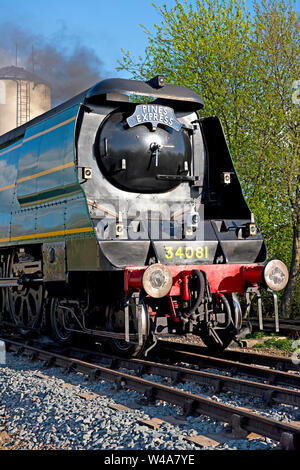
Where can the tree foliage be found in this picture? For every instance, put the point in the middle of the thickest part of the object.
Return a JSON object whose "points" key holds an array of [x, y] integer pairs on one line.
{"points": [[244, 66]]}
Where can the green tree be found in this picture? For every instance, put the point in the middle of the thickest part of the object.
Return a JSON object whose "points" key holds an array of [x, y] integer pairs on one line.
{"points": [[275, 49], [244, 67]]}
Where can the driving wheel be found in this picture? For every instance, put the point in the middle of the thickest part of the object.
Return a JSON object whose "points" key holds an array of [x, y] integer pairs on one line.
{"points": [[24, 301]]}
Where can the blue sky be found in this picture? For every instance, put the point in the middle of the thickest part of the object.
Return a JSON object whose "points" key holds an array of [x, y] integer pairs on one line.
{"points": [[102, 25]]}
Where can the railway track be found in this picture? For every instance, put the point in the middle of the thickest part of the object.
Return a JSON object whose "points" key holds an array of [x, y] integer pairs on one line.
{"points": [[286, 327], [270, 394], [101, 366], [175, 352], [246, 357]]}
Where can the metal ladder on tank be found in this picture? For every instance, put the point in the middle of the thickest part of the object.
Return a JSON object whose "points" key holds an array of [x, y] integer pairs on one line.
{"points": [[23, 102]]}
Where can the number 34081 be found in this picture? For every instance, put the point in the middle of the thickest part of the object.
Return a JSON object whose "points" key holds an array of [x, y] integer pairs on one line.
{"points": [[187, 252]]}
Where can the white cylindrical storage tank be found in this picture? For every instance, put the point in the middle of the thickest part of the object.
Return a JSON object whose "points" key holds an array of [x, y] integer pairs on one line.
{"points": [[23, 96]]}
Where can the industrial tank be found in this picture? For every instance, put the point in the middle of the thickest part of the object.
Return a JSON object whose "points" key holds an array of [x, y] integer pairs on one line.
{"points": [[23, 96]]}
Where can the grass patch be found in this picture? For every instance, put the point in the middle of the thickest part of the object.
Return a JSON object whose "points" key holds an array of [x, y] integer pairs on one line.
{"points": [[284, 344], [258, 335]]}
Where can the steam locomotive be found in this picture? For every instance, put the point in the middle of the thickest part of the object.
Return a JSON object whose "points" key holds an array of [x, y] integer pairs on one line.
{"points": [[122, 218]]}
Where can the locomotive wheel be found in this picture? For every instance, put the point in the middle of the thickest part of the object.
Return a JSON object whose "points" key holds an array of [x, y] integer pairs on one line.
{"points": [[59, 322], [24, 302], [231, 304], [115, 322]]}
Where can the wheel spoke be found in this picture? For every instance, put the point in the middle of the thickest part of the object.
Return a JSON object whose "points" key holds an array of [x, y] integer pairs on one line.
{"points": [[57, 322], [25, 304]]}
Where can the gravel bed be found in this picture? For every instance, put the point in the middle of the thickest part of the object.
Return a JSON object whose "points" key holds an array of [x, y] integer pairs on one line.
{"points": [[45, 413], [280, 412]]}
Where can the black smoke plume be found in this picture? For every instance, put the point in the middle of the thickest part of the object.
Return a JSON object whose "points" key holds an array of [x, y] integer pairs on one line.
{"points": [[67, 69]]}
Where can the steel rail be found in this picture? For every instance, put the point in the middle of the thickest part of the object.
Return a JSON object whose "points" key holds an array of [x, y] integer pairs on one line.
{"points": [[269, 393], [242, 418], [271, 375], [220, 383], [278, 362]]}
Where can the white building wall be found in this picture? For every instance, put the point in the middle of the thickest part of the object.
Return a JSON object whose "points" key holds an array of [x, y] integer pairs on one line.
{"points": [[40, 102]]}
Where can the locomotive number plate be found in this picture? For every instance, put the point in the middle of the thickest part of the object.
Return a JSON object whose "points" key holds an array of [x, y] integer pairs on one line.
{"points": [[187, 252]]}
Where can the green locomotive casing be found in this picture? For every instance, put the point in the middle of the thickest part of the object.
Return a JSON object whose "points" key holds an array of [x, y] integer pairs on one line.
{"points": [[39, 172], [41, 198]]}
